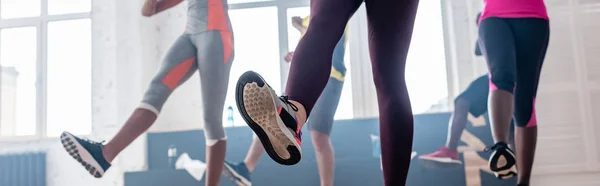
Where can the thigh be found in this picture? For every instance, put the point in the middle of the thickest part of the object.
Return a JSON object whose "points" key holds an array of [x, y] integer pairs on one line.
{"points": [[215, 56], [332, 10], [531, 37], [477, 95], [179, 64], [391, 25], [497, 41]]}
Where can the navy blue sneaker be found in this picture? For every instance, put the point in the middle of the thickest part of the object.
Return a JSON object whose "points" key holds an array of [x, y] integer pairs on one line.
{"points": [[86, 152], [238, 172], [502, 161]]}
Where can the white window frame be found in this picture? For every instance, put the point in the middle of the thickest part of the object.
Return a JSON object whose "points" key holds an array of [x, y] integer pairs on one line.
{"points": [[282, 7], [41, 24]]}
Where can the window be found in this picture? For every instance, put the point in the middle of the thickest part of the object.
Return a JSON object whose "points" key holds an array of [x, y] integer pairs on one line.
{"points": [[256, 49], [45, 62], [11, 9], [426, 62], [69, 68], [18, 61], [425, 66]]}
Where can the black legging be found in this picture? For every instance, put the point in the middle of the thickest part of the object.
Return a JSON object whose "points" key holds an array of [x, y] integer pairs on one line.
{"points": [[515, 49], [390, 31]]}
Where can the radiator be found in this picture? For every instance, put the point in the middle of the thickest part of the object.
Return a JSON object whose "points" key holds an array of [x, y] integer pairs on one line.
{"points": [[27, 169]]}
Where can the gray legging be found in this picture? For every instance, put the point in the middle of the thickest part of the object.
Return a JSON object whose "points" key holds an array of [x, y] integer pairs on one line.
{"points": [[321, 117], [210, 53]]}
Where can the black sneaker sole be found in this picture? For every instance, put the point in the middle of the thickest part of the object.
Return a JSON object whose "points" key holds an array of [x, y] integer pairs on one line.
{"points": [[502, 162], [278, 141], [81, 155]]}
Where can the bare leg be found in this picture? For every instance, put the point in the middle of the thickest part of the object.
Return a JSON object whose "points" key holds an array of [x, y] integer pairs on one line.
{"points": [[138, 123], [325, 157], [501, 110], [215, 156], [526, 141], [254, 153], [300, 114], [178, 66], [458, 123]]}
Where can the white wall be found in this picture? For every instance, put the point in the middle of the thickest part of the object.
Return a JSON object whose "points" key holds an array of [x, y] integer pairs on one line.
{"points": [[569, 91]]}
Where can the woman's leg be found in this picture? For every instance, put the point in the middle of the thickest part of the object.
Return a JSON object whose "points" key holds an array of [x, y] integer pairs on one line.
{"points": [[390, 31], [215, 57], [473, 100], [322, 116], [320, 124], [531, 37], [178, 66], [498, 44], [277, 120]]}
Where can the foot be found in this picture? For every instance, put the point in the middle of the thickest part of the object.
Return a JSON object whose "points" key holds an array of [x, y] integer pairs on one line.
{"points": [[272, 118], [442, 158], [502, 161], [443, 155], [238, 172], [86, 152]]}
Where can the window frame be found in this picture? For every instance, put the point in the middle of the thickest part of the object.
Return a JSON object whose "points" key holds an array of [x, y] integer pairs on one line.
{"points": [[282, 7], [41, 24]]}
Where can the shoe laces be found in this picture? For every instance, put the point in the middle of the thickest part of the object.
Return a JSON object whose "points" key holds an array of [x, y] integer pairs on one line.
{"points": [[287, 101], [93, 142]]}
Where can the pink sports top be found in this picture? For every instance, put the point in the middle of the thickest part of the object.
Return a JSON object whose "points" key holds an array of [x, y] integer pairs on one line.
{"points": [[514, 9]]}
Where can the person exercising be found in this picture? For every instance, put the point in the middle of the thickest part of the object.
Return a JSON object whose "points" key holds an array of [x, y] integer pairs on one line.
{"points": [[473, 100], [514, 35], [277, 121], [206, 46], [320, 122]]}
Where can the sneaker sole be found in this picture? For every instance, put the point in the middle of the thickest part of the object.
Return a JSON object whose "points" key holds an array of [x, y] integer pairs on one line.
{"points": [[440, 160], [237, 178], [502, 169], [79, 153], [257, 106]]}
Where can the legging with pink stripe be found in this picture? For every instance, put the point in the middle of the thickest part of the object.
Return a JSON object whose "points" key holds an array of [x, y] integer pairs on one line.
{"points": [[515, 49], [390, 31]]}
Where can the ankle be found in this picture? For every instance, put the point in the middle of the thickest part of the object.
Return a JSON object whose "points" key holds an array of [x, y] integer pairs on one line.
{"points": [[107, 157], [300, 114], [249, 166], [451, 148], [502, 143]]}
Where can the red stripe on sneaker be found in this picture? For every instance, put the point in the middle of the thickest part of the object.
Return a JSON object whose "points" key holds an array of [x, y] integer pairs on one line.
{"points": [[279, 110], [299, 142]]}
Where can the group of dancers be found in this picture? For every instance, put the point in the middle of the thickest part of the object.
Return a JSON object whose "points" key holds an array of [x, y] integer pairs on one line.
{"points": [[513, 36]]}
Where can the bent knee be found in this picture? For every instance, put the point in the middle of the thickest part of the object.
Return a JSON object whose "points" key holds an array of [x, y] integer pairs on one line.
{"points": [[525, 114], [321, 141], [502, 83]]}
